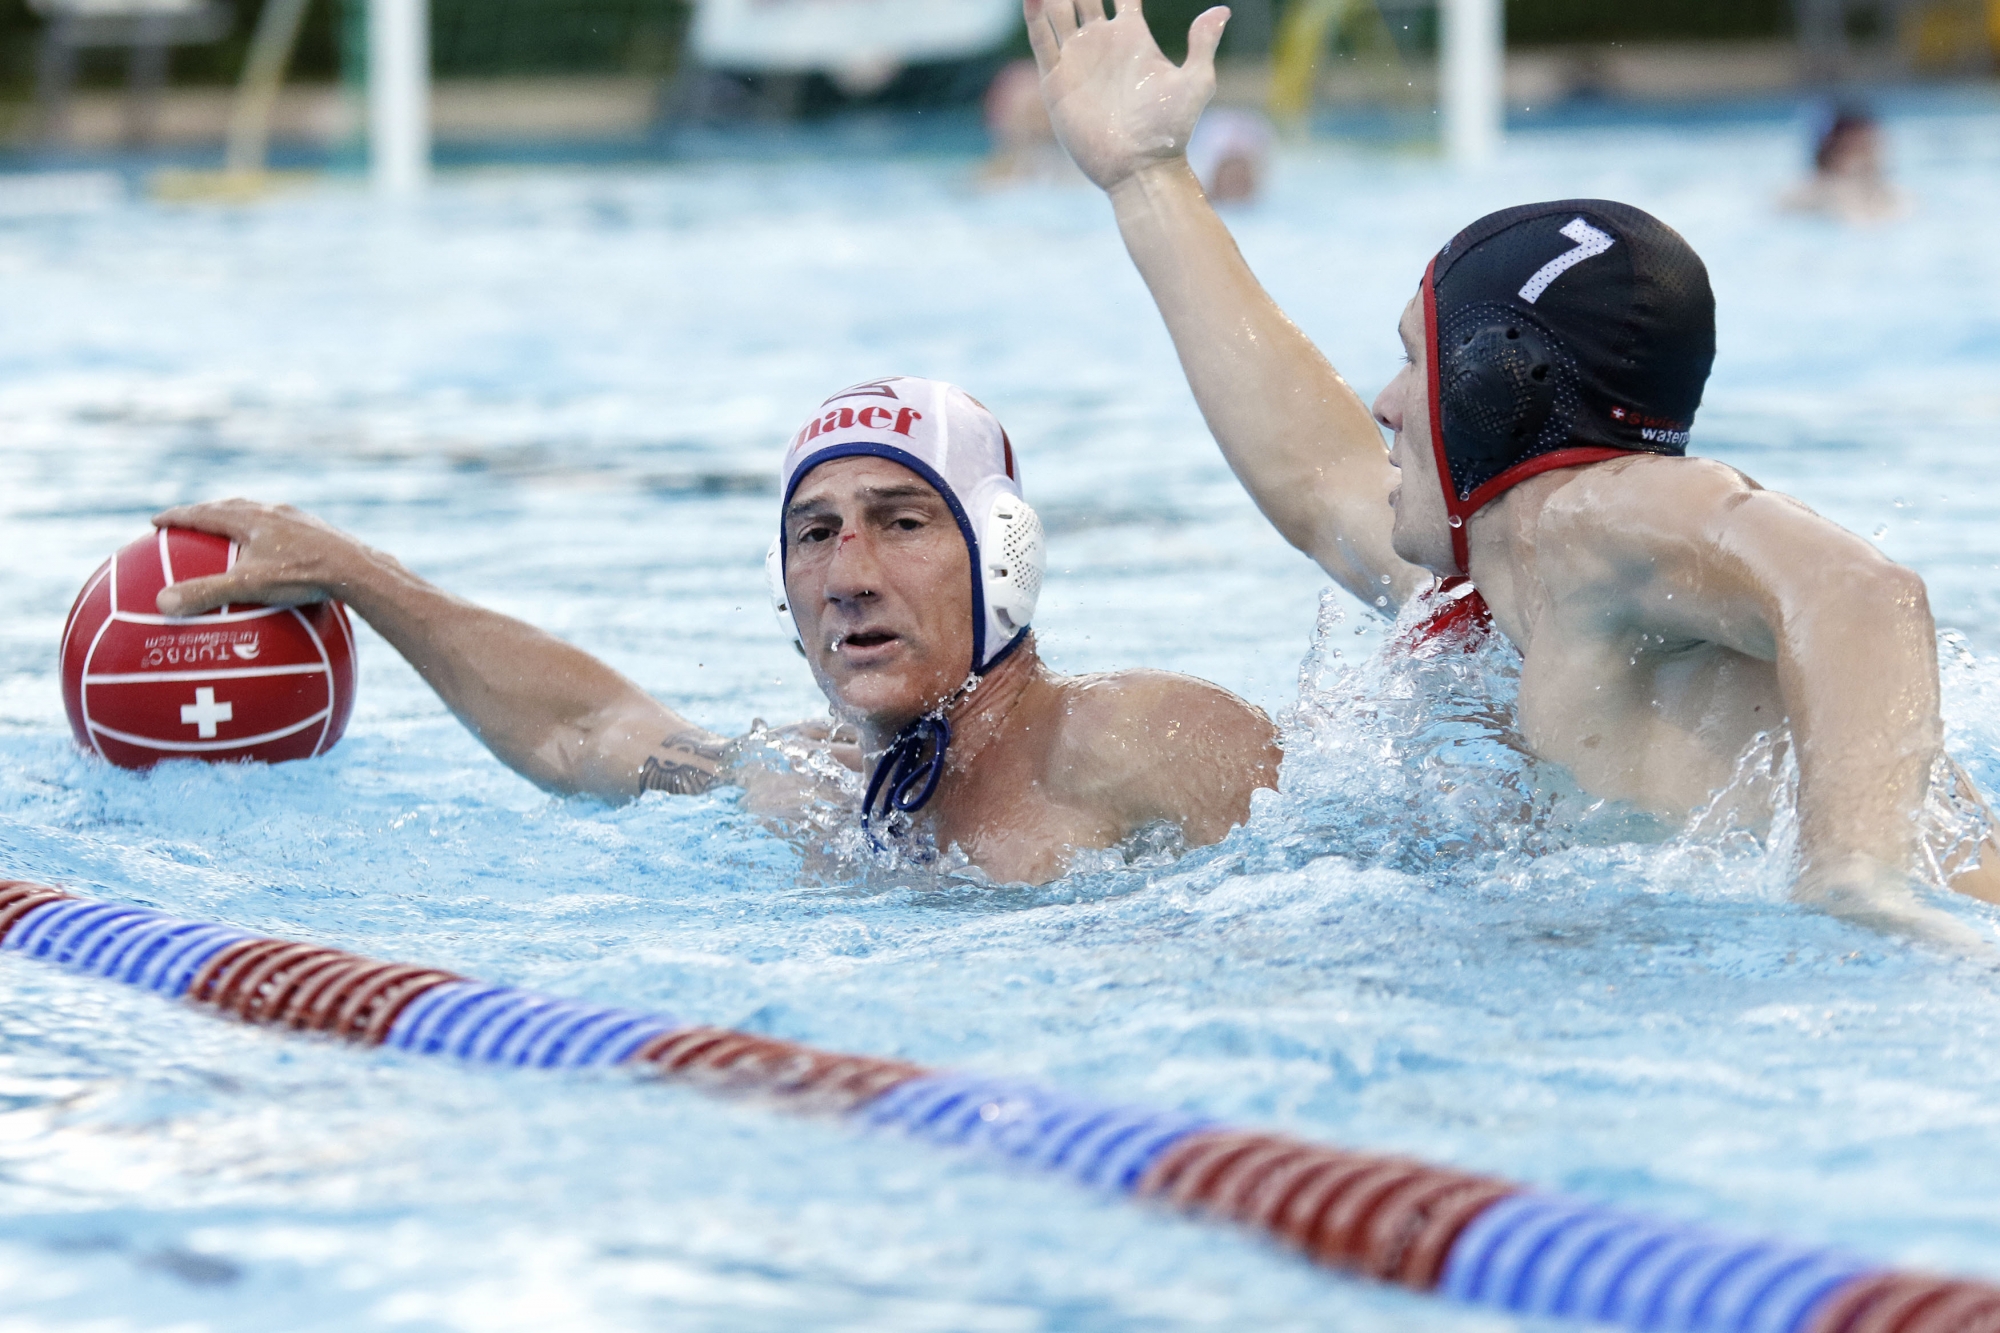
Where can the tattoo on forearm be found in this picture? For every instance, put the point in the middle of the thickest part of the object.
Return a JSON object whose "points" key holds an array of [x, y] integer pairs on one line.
{"points": [[683, 767]]}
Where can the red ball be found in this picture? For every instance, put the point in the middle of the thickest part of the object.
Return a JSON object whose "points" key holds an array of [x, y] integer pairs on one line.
{"points": [[239, 682]]}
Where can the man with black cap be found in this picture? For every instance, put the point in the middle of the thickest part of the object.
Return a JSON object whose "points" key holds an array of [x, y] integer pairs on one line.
{"points": [[1668, 610]]}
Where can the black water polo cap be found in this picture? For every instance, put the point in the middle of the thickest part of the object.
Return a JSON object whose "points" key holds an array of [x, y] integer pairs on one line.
{"points": [[1560, 334]]}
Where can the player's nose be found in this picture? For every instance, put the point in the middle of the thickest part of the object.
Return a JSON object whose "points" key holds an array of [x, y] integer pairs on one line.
{"points": [[855, 570], [1388, 406]]}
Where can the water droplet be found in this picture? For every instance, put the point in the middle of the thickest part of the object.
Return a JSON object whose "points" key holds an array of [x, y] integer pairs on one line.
{"points": [[1381, 601], [1456, 521], [1385, 580], [1880, 532]]}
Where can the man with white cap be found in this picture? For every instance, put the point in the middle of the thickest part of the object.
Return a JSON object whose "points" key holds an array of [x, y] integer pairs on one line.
{"points": [[906, 568]]}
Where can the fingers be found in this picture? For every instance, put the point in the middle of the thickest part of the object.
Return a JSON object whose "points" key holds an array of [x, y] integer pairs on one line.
{"points": [[281, 557], [1051, 23], [1061, 16], [1204, 35], [181, 516], [1040, 36], [195, 596], [1123, 7], [224, 518]]}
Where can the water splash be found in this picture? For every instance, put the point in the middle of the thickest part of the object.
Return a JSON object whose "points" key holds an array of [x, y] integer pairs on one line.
{"points": [[1415, 763]]}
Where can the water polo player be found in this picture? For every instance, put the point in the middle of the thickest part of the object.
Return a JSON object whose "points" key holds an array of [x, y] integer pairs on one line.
{"points": [[1668, 610], [907, 565]]}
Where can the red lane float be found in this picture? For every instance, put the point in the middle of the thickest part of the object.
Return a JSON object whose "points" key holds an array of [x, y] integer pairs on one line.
{"points": [[1470, 1237], [1388, 1218], [240, 682]]}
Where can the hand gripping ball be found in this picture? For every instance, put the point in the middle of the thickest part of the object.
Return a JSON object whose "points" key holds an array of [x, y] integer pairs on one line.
{"points": [[240, 682]]}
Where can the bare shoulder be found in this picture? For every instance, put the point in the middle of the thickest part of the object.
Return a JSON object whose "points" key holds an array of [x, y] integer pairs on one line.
{"points": [[1644, 492], [1692, 547], [1163, 701], [1649, 507], [786, 771], [1157, 744]]}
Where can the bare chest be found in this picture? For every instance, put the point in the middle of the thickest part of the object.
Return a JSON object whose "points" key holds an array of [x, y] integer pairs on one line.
{"points": [[1662, 725], [1017, 833]]}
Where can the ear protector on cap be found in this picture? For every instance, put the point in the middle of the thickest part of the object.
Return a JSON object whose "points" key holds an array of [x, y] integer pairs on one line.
{"points": [[1507, 385], [781, 603], [1012, 556]]}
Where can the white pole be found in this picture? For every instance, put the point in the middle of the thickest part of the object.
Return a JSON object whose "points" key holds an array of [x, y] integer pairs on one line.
{"points": [[399, 96], [1473, 58]]}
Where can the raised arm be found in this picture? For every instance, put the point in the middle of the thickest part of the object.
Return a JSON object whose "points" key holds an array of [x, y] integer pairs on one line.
{"points": [[1300, 440], [551, 712]]}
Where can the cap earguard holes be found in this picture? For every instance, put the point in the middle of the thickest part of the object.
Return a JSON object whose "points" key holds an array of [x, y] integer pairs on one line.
{"points": [[1015, 540]]}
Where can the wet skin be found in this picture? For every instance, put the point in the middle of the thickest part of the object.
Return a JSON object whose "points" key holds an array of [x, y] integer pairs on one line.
{"points": [[1041, 765], [1639, 701], [1668, 611], [879, 580]]}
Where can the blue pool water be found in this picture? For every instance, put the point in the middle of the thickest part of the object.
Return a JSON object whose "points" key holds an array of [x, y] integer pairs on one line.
{"points": [[563, 394]]}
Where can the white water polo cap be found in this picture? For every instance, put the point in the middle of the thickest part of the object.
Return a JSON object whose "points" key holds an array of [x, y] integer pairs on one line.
{"points": [[947, 437]]}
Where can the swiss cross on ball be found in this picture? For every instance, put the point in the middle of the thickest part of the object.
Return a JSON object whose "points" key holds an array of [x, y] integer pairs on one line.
{"points": [[205, 713]]}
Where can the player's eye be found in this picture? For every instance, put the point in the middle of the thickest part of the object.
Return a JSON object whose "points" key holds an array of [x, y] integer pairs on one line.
{"points": [[818, 532]]}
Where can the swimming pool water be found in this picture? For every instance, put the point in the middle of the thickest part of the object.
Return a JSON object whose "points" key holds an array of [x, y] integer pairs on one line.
{"points": [[563, 393]]}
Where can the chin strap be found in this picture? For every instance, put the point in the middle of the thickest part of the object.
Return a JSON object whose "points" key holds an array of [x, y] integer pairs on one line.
{"points": [[908, 774]]}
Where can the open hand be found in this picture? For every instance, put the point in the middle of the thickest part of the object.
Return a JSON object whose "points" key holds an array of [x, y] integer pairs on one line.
{"points": [[283, 558], [1116, 103]]}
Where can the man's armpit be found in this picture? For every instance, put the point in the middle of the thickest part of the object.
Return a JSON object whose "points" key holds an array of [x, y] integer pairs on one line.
{"points": [[683, 766]]}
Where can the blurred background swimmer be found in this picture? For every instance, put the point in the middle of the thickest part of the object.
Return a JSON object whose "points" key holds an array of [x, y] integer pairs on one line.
{"points": [[1024, 146], [1849, 179], [1230, 152]]}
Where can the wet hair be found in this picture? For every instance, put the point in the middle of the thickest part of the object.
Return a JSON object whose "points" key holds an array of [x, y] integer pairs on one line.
{"points": [[1844, 123]]}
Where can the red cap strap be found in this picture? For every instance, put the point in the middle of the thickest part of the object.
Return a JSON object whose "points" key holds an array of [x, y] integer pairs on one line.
{"points": [[1432, 357], [1458, 511]]}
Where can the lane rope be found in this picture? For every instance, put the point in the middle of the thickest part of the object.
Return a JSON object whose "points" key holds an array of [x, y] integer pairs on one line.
{"points": [[1472, 1238]]}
